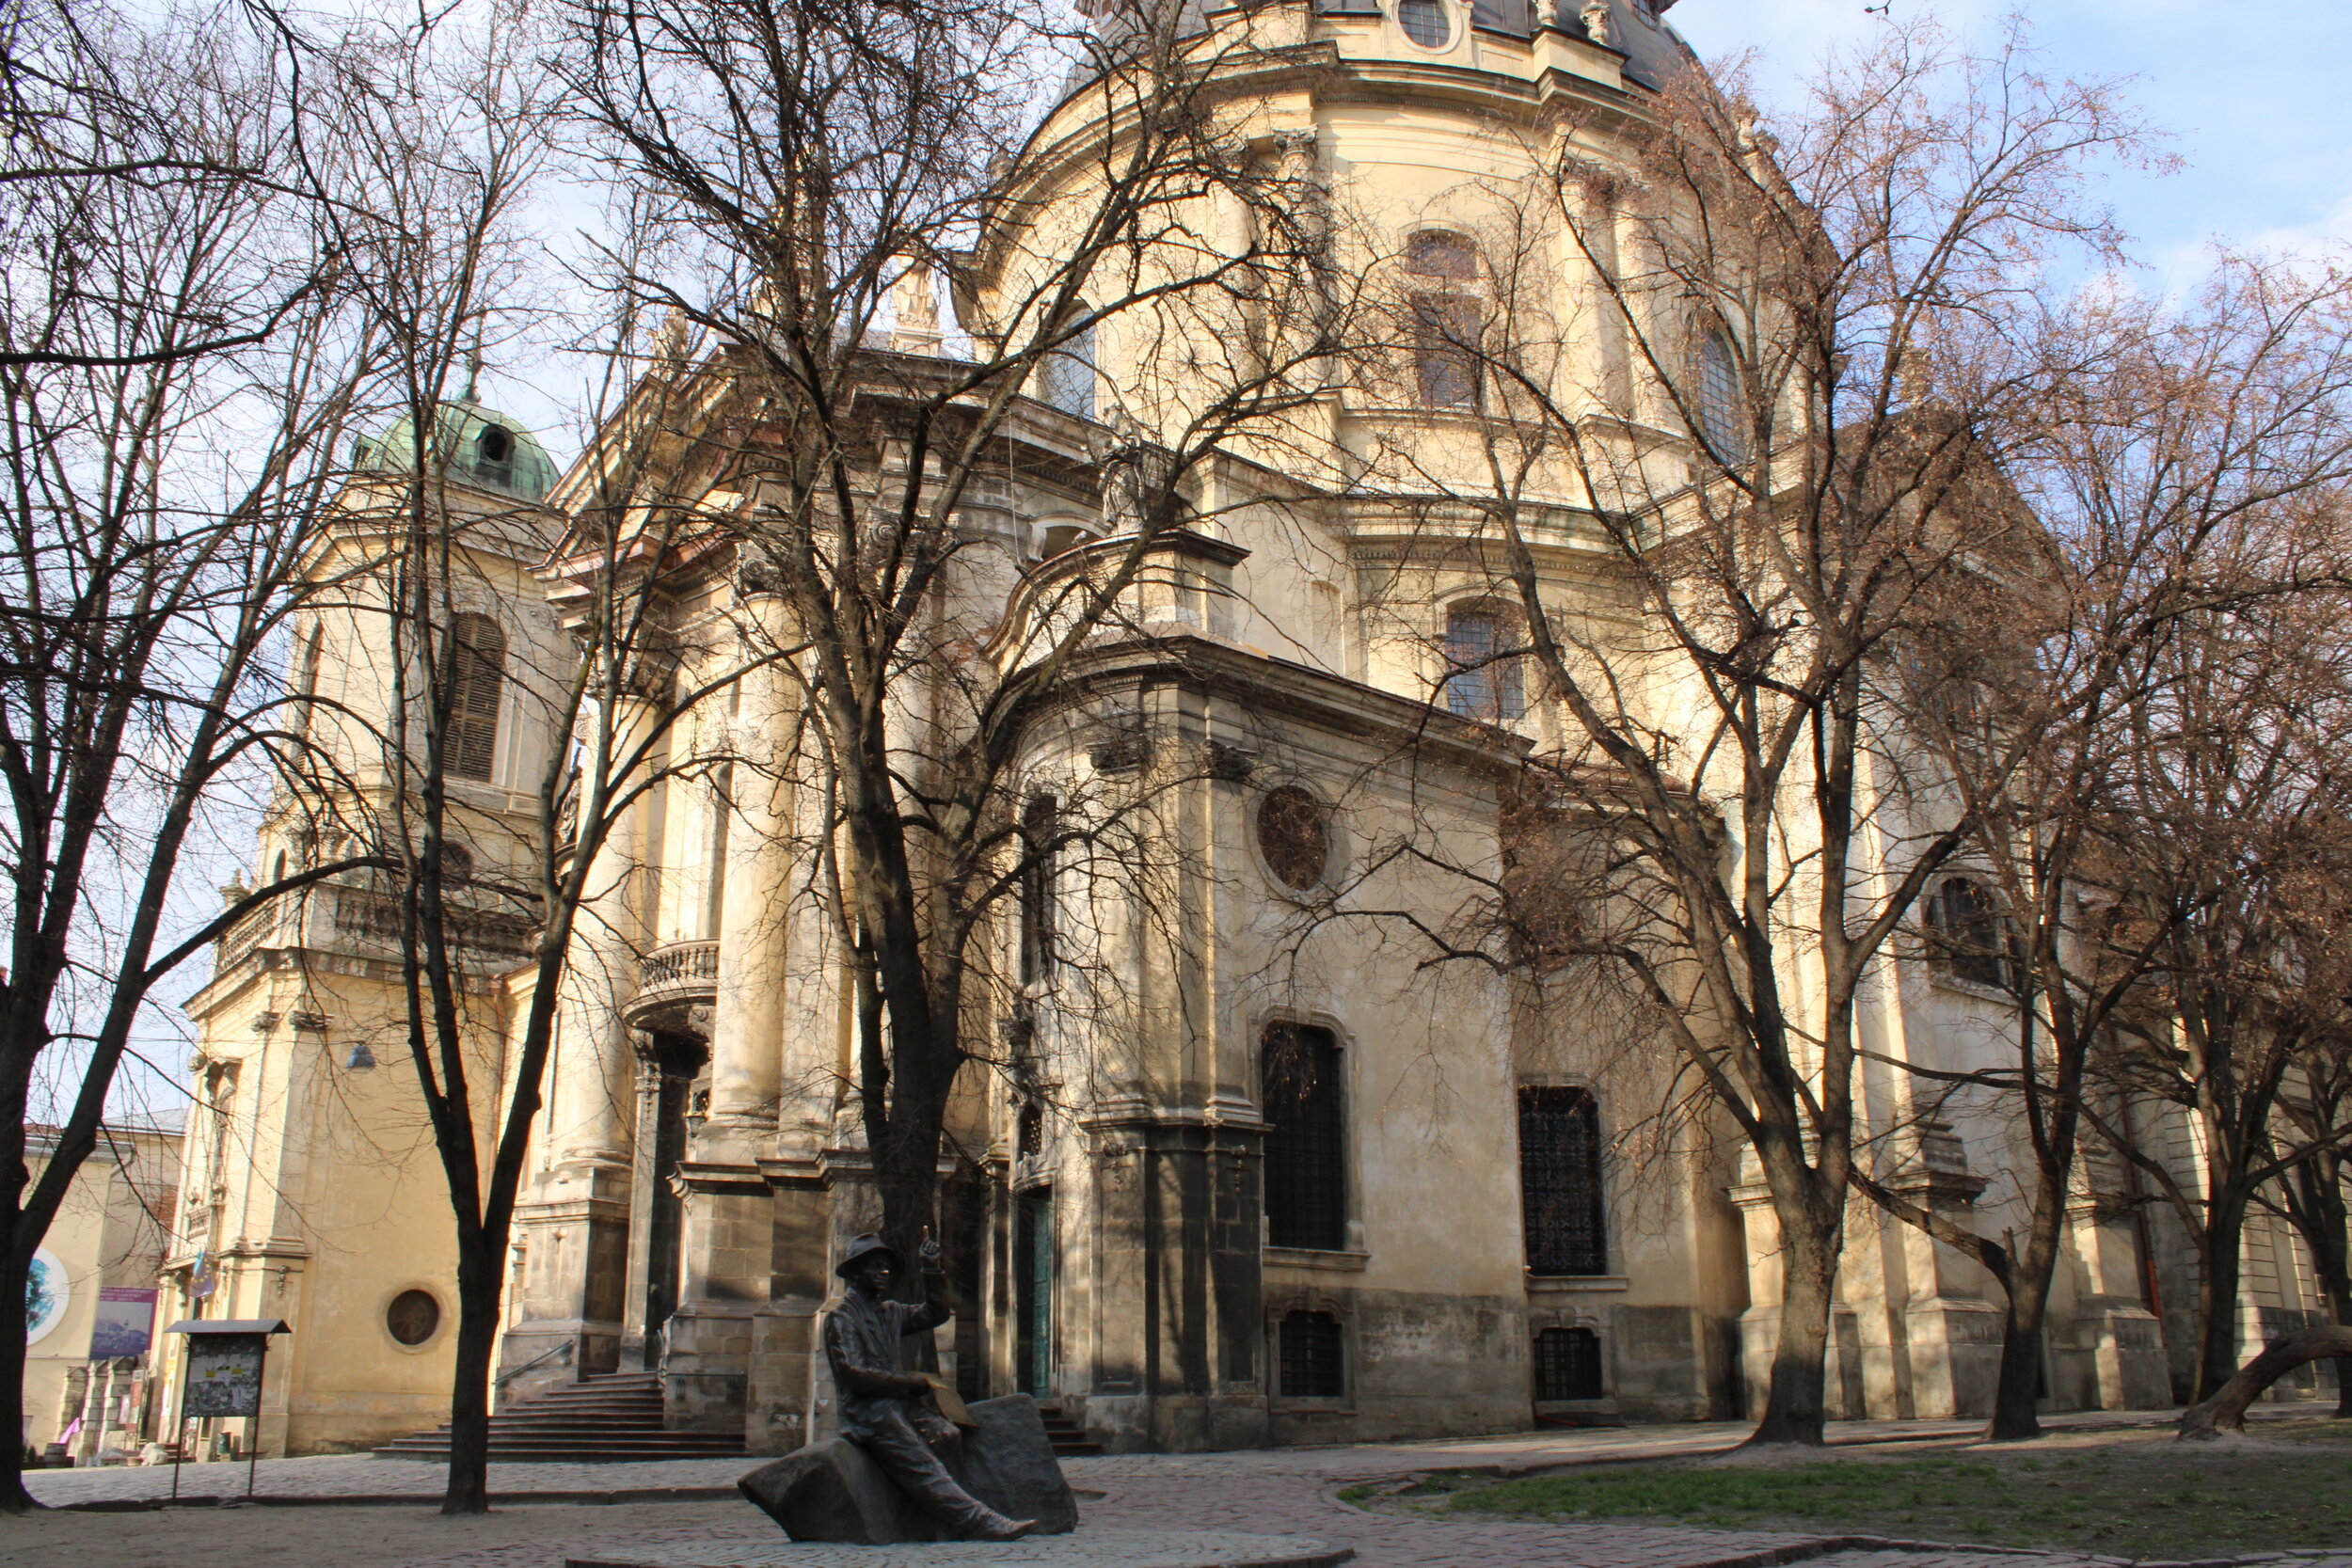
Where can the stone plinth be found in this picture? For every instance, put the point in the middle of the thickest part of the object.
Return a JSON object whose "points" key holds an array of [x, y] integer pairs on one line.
{"points": [[833, 1491]]}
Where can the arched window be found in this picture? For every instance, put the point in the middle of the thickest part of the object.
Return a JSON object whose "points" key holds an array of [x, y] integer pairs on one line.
{"points": [[1066, 378], [1055, 538], [494, 456], [1567, 1364], [1968, 939], [473, 663], [1483, 680], [1560, 1186], [1438, 253], [1306, 1147], [1447, 319], [1313, 1356], [1722, 410]]}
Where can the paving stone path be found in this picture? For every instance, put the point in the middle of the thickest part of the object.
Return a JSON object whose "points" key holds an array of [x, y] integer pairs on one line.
{"points": [[1287, 1492]]}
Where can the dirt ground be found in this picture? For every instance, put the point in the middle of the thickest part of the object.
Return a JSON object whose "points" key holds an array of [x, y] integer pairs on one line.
{"points": [[374, 1536], [2136, 1495]]}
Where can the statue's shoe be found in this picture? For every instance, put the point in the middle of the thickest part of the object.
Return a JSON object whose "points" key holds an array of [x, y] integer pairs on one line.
{"points": [[998, 1528]]}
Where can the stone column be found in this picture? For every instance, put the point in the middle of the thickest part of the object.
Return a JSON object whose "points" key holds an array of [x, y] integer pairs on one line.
{"points": [[574, 1226], [747, 1036]]}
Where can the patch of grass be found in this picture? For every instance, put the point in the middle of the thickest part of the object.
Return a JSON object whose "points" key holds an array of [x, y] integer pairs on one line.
{"points": [[2125, 1495]]}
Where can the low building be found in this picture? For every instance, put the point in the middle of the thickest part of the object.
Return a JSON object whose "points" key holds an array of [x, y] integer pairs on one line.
{"points": [[92, 1292]]}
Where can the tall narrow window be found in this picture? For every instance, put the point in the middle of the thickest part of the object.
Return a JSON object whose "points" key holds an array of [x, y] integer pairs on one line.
{"points": [[1306, 1151], [1567, 1364], [1313, 1356], [306, 676], [474, 662], [1969, 940], [1447, 319], [1041, 825], [1484, 682], [721, 820], [1560, 1190], [1722, 411], [1066, 379]]}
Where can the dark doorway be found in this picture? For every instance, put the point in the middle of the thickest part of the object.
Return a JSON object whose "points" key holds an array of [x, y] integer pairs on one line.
{"points": [[677, 1058], [1033, 1291]]}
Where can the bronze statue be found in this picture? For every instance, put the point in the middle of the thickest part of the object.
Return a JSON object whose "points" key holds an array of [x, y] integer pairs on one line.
{"points": [[889, 1412]]}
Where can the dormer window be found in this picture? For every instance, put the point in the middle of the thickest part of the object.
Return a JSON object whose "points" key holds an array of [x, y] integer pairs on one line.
{"points": [[494, 455]]}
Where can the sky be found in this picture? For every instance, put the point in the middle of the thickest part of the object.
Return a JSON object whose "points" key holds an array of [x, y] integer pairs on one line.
{"points": [[2252, 96]]}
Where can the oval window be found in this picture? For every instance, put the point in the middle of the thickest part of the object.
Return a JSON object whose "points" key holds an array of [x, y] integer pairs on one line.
{"points": [[1293, 836], [1423, 22], [412, 1317]]}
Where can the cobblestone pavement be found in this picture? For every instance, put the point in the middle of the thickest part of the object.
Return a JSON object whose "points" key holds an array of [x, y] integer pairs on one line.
{"points": [[1289, 1492], [1089, 1548], [329, 1477]]}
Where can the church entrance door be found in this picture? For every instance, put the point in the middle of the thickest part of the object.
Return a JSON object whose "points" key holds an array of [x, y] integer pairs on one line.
{"points": [[1033, 1291]]}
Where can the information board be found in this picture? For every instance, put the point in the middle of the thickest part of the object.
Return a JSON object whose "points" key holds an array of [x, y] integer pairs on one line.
{"points": [[224, 1373]]}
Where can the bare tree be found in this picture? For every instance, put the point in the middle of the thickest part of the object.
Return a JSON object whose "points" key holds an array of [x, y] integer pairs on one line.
{"points": [[1133, 289], [2173, 473], [175, 370], [1776, 400]]}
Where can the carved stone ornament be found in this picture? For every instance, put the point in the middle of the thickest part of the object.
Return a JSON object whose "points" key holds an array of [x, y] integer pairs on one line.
{"points": [[1595, 18]]}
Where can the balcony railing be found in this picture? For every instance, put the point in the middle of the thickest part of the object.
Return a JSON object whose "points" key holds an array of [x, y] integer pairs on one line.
{"points": [[682, 966]]}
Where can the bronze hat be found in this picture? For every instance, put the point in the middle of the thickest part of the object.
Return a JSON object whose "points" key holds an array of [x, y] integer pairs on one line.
{"points": [[864, 1248]]}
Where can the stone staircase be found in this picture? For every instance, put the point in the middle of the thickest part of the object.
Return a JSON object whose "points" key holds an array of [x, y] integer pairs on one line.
{"points": [[1069, 1438], [617, 1416]]}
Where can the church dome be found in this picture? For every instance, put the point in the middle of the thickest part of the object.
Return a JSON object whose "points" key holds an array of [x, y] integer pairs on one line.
{"points": [[477, 445]]}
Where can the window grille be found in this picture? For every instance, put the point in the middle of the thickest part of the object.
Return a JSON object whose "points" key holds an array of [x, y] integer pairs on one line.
{"points": [[1425, 22], [1313, 1357], [1723, 416], [1306, 1179], [1567, 1364], [473, 663], [1560, 1185], [1485, 682]]}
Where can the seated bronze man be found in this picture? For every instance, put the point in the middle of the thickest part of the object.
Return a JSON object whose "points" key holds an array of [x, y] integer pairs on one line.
{"points": [[886, 1412]]}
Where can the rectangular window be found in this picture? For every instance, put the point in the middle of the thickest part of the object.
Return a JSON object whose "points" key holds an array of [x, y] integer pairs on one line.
{"points": [[1567, 1364], [1313, 1357], [1560, 1190], [1446, 330], [1306, 1151]]}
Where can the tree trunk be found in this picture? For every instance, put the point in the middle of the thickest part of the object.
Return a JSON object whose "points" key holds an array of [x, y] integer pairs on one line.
{"points": [[2216, 1295], [2017, 1396], [2226, 1409], [2320, 1214], [13, 1497], [1795, 1407], [477, 1279]]}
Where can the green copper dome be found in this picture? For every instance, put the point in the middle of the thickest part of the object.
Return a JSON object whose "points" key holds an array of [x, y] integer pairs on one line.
{"points": [[478, 446]]}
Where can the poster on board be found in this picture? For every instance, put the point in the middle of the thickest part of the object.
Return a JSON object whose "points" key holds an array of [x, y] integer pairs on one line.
{"points": [[126, 1321], [224, 1375]]}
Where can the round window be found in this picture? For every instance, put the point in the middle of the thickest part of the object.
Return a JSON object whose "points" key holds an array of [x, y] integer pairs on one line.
{"points": [[1423, 22], [412, 1317], [1293, 836]]}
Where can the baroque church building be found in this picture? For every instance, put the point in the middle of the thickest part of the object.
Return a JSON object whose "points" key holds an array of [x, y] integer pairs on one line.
{"points": [[1249, 1171]]}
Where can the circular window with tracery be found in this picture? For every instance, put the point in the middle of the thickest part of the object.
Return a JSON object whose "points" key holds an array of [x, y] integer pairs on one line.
{"points": [[1425, 22], [1295, 836], [412, 1317]]}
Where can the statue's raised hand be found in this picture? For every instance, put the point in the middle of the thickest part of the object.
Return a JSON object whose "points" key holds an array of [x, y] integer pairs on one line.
{"points": [[927, 1250]]}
